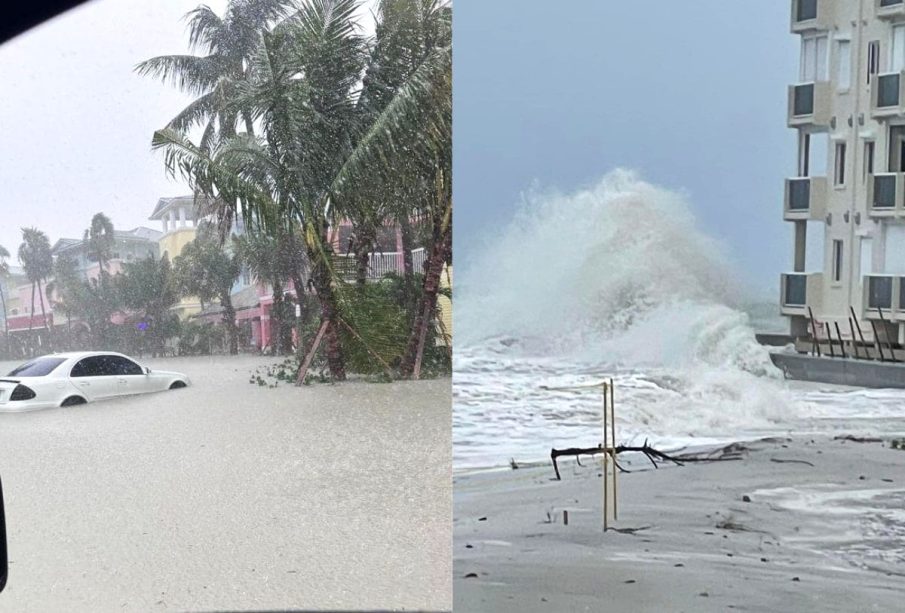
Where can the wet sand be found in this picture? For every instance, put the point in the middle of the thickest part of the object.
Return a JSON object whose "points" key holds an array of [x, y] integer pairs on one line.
{"points": [[230, 496], [823, 532]]}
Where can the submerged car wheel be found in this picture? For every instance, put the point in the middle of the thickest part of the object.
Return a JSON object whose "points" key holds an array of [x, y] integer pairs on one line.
{"points": [[177, 384], [73, 400]]}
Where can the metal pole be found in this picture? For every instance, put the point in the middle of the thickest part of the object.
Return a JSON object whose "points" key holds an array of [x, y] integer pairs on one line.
{"points": [[816, 343], [613, 442], [841, 342], [854, 339], [606, 471], [829, 338]]}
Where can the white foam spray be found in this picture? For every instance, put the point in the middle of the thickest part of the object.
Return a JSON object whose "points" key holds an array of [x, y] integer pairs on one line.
{"points": [[612, 280]]}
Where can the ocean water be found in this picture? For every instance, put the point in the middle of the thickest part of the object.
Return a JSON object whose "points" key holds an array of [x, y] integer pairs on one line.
{"points": [[616, 281]]}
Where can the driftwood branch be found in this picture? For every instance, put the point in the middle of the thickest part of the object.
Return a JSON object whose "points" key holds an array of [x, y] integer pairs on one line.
{"points": [[729, 452]]}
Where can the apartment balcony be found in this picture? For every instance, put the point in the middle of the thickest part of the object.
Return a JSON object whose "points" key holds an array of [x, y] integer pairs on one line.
{"points": [[887, 95], [379, 264], [809, 15], [884, 297], [810, 104], [800, 291], [805, 199], [890, 9], [886, 194]]}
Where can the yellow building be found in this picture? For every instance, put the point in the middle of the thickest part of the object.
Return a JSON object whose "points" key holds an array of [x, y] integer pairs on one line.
{"points": [[444, 306], [178, 217]]}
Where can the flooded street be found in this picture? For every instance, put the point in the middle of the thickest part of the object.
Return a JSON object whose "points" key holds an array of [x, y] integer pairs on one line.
{"points": [[227, 495]]}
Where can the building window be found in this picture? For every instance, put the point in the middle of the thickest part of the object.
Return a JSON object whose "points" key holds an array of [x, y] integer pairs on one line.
{"points": [[804, 154], [837, 260], [840, 164], [813, 58], [897, 49], [869, 147], [844, 64], [873, 59]]}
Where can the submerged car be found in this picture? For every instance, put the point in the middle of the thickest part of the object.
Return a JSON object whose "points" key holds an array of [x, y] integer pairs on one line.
{"points": [[64, 379]]}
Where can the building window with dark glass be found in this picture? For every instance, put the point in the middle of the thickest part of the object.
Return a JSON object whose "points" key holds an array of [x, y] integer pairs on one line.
{"points": [[837, 261], [840, 164]]}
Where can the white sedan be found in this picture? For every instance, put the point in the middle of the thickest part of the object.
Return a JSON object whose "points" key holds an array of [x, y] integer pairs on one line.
{"points": [[64, 379]]}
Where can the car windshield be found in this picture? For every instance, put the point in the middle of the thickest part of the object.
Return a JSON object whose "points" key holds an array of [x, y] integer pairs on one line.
{"points": [[37, 368]]}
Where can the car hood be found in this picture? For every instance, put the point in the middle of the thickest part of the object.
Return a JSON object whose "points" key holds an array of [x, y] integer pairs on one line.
{"points": [[166, 373]]}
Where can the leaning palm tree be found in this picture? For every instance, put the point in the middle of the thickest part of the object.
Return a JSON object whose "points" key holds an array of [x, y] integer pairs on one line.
{"points": [[411, 139], [100, 240], [36, 258], [4, 275]]}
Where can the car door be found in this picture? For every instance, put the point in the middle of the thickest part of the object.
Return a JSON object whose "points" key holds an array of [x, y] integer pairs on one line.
{"points": [[93, 376], [130, 377]]}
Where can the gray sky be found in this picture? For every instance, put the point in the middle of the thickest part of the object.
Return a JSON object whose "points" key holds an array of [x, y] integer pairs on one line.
{"points": [[691, 94], [77, 121]]}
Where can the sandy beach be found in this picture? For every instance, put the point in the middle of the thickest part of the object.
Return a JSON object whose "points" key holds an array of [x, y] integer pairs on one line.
{"points": [[231, 496], [798, 524]]}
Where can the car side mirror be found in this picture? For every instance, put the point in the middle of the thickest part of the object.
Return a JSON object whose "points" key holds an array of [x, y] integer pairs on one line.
{"points": [[4, 561]]}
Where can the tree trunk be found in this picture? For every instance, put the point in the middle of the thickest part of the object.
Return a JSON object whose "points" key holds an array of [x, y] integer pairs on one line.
{"points": [[229, 318], [364, 241], [5, 322], [44, 316], [427, 305], [298, 283], [31, 320], [326, 296], [408, 264], [276, 318]]}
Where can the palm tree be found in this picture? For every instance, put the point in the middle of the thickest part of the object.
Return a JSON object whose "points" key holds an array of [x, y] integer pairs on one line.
{"points": [[4, 275], [320, 151], [408, 145], [36, 258], [303, 75], [228, 44], [100, 240], [207, 270], [273, 259]]}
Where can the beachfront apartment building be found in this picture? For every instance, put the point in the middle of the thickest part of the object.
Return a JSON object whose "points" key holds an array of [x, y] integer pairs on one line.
{"points": [[846, 200]]}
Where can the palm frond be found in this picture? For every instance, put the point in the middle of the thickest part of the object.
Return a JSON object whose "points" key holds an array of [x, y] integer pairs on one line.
{"points": [[195, 75]]}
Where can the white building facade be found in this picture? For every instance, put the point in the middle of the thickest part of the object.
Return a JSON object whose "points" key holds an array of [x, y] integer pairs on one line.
{"points": [[846, 198]]}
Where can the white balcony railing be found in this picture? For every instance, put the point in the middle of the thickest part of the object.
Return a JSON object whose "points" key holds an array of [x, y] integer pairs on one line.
{"points": [[887, 95], [811, 15], [800, 291], [886, 194], [381, 263], [810, 104], [805, 198], [889, 9]]}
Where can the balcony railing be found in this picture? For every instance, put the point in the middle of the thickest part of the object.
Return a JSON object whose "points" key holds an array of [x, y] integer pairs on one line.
{"points": [[805, 198], [879, 292], [811, 15], [888, 9], [796, 293], [799, 291], [886, 194], [887, 98], [810, 104], [379, 264]]}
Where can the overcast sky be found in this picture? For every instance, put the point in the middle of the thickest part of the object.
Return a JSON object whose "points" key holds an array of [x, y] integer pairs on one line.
{"points": [[76, 121], [691, 94]]}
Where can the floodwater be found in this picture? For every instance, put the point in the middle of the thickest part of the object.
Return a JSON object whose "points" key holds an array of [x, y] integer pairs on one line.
{"points": [[227, 495]]}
